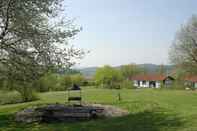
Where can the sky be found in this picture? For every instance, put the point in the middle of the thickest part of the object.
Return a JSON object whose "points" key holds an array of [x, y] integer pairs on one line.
{"points": [[118, 32]]}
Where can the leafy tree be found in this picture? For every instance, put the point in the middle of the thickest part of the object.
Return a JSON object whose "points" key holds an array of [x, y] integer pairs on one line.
{"points": [[49, 82], [34, 39], [184, 49], [77, 79], [179, 74], [108, 77], [67, 81], [161, 70], [130, 70]]}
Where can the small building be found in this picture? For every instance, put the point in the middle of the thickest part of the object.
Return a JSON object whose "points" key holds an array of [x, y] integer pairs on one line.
{"points": [[152, 81], [191, 81]]}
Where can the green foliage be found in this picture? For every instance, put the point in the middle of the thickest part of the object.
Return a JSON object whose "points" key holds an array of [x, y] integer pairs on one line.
{"points": [[66, 81], [26, 91], [48, 82], [130, 70], [89, 83], [179, 76], [108, 77], [34, 38], [127, 84], [57, 82], [77, 79], [51, 82], [178, 85], [10, 97]]}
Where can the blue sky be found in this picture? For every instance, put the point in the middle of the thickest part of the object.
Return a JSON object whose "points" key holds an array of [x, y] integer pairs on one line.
{"points": [[128, 31]]}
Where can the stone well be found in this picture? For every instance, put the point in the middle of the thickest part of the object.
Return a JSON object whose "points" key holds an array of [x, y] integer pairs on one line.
{"points": [[67, 113]]}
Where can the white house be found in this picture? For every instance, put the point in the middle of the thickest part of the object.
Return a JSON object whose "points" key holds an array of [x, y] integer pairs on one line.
{"points": [[152, 81]]}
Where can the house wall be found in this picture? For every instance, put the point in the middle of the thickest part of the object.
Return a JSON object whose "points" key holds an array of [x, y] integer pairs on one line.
{"points": [[158, 84], [146, 84], [195, 85], [141, 84], [135, 83]]}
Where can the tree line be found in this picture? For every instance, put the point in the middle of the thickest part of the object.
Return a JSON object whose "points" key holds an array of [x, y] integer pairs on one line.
{"points": [[110, 77]]}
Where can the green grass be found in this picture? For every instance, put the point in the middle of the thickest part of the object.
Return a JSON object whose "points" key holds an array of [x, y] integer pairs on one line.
{"points": [[150, 110]]}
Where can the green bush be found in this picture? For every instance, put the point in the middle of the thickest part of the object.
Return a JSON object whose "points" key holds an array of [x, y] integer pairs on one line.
{"points": [[66, 82], [41, 86], [57, 82], [89, 83], [27, 93], [77, 79], [50, 82], [127, 84], [11, 97], [178, 85]]}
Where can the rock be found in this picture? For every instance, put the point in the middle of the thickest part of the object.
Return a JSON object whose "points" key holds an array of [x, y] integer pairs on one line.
{"points": [[28, 116], [111, 111], [187, 88], [64, 113]]}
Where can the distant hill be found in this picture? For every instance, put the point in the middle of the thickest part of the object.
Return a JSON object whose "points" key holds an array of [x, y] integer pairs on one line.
{"points": [[89, 71], [150, 68]]}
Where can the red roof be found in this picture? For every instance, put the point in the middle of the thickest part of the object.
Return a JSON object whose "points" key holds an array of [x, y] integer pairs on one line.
{"points": [[191, 78], [149, 77]]}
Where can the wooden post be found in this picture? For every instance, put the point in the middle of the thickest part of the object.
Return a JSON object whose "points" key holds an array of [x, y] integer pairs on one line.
{"points": [[119, 97]]}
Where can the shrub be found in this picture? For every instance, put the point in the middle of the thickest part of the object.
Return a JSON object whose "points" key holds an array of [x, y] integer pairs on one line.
{"points": [[66, 82], [40, 85], [49, 82], [127, 84], [57, 82], [77, 79], [89, 83], [27, 93], [11, 97], [178, 85]]}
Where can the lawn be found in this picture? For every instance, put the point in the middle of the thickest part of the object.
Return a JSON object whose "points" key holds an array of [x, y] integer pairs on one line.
{"points": [[150, 110]]}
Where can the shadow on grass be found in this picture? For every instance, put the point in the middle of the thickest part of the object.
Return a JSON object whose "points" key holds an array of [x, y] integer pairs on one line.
{"points": [[143, 121]]}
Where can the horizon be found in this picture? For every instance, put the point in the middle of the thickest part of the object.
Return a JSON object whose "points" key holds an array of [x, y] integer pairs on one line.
{"points": [[79, 67], [124, 32]]}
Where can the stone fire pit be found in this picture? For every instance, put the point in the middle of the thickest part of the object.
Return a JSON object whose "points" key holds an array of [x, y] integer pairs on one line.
{"points": [[67, 113]]}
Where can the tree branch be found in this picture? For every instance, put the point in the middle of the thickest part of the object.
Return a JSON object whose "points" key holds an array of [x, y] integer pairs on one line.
{"points": [[6, 21]]}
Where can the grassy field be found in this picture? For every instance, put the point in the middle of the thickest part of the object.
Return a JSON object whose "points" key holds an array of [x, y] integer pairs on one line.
{"points": [[150, 110]]}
